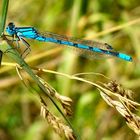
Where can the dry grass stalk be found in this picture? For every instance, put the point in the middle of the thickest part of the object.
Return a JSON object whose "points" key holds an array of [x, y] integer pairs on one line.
{"points": [[59, 127], [124, 107], [66, 102]]}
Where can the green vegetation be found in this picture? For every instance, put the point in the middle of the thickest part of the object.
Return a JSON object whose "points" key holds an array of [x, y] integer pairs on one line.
{"points": [[115, 22]]}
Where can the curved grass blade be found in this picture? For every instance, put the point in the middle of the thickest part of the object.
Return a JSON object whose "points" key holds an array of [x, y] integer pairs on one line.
{"points": [[13, 53]]}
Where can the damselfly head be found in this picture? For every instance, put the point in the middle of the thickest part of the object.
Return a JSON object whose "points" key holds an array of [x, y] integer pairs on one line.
{"points": [[10, 29], [11, 24]]}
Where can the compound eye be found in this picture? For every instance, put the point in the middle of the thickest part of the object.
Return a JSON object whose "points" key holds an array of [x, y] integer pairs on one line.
{"points": [[11, 25]]}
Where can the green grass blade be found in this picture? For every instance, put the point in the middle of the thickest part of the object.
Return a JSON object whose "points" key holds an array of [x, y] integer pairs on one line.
{"points": [[13, 53], [4, 14]]}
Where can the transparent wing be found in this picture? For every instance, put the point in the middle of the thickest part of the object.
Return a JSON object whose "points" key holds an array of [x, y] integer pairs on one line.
{"points": [[85, 47], [92, 49], [77, 41]]}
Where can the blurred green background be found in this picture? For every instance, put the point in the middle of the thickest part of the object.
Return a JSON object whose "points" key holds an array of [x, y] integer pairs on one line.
{"points": [[92, 117]]}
